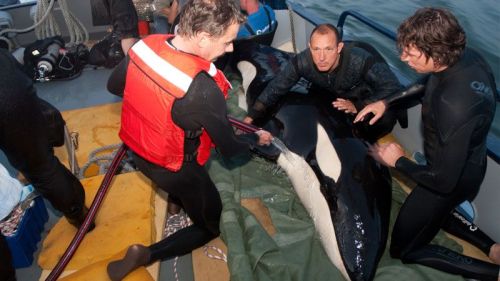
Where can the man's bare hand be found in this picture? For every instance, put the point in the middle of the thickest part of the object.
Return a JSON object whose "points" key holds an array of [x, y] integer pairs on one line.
{"points": [[248, 120], [386, 154], [345, 105], [377, 108], [265, 137]]}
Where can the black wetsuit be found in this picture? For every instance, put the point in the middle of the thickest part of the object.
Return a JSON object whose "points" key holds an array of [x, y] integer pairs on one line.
{"points": [[7, 271], [458, 107], [121, 14], [26, 138], [361, 77], [202, 106]]}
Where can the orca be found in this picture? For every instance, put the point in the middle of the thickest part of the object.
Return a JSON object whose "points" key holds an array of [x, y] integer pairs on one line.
{"points": [[346, 193]]}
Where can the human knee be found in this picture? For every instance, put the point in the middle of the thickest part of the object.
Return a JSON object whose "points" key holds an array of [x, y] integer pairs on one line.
{"points": [[494, 254], [213, 228], [395, 251]]}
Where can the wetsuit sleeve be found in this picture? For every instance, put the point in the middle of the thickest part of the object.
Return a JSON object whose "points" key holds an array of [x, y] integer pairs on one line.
{"points": [[408, 97], [455, 124], [204, 105], [124, 18], [116, 81], [276, 89], [447, 164]]}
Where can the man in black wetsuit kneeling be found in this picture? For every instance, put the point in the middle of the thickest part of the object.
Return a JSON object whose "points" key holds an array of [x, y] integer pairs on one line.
{"points": [[29, 129], [345, 77], [458, 106]]}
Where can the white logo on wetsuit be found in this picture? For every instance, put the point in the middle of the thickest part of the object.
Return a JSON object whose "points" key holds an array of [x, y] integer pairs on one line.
{"points": [[471, 226], [480, 87], [264, 30]]}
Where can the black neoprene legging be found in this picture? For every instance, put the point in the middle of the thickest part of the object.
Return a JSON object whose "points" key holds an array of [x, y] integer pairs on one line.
{"points": [[199, 197], [24, 138], [420, 218], [7, 271]]}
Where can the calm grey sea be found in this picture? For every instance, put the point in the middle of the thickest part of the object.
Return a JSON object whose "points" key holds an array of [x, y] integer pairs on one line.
{"points": [[479, 18]]}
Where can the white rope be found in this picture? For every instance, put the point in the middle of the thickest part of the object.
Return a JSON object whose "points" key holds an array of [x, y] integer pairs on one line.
{"points": [[77, 31], [175, 223], [28, 29], [104, 161], [220, 253], [176, 274], [43, 15], [46, 26]]}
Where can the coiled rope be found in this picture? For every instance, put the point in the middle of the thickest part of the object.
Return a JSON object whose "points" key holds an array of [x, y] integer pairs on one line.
{"points": [[46, 26], [28, 29], [103, 161], [49, 27], [179, 221]]}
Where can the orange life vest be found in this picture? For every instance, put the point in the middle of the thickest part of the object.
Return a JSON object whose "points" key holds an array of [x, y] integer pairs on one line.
{"points": [[157, 75]]}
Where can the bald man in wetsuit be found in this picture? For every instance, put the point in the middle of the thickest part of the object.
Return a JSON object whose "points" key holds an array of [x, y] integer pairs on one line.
{"points": [[347, 76], [458, 106]]}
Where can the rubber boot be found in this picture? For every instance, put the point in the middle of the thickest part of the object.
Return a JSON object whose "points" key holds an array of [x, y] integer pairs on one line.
{"points": [[76, 218]]}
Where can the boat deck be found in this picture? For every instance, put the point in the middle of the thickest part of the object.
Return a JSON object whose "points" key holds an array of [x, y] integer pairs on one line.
{"points": [[89, 90]]}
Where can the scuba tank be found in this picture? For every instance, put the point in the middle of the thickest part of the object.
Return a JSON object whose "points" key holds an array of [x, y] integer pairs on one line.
{"points": [[48, 61]]}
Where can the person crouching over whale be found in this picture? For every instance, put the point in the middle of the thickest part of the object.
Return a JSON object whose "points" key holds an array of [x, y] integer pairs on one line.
{"points": [[458, 106], [346, 75], [173, 112]]}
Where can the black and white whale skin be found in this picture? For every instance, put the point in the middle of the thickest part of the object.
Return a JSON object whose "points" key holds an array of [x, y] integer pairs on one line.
{"points": [[346, 193]]}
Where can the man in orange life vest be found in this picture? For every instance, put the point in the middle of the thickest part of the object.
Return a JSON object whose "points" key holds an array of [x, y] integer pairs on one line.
{"points": [[173, 112]]}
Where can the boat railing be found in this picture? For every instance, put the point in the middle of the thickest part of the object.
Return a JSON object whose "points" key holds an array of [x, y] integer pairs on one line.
{"points": [[493, 141], [369, 22]]}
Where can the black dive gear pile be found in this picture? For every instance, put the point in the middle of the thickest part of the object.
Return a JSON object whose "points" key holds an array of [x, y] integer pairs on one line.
{"points": [[48, 59]]}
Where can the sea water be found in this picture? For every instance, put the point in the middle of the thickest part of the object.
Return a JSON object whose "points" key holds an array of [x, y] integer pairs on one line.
{"points": [[479, 18]]}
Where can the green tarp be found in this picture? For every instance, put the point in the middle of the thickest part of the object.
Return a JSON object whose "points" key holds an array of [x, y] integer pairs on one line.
{"points": [[295, 251]]}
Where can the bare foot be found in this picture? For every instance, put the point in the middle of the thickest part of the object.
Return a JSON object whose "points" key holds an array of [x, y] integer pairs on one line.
{"points": [[495, 254], [136, 256]]}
